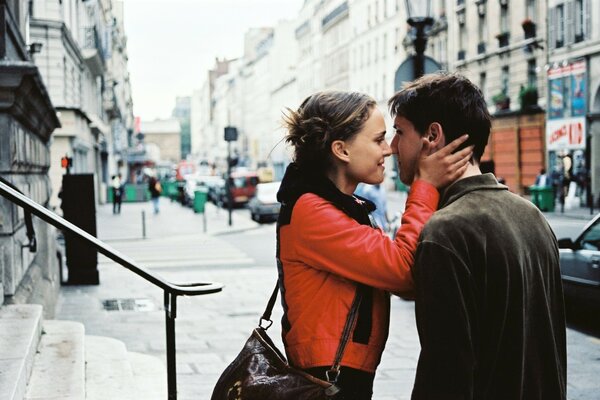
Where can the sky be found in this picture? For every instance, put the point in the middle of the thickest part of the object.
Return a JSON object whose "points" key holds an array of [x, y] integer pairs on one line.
{"points": [[173, 43]]}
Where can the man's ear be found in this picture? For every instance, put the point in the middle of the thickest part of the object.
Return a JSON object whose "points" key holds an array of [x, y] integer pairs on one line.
{"points": [[435, 136], [339, 151]]}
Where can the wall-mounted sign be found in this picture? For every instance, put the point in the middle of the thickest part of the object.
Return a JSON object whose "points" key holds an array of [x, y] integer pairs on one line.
{"points": [[566, 133]]}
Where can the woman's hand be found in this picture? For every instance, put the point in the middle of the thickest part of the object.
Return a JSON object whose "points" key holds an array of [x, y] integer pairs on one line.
{"points": [[442, 167]]}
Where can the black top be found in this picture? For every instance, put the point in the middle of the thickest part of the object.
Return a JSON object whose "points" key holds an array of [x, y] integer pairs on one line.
{"points": [[489, 300]]}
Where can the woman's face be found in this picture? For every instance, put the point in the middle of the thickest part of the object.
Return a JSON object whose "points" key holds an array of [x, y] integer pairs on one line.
{"points": [[367, 151]]}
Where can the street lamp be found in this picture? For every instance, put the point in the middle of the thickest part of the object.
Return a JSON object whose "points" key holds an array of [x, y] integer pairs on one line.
{"points": [[420, 18]]}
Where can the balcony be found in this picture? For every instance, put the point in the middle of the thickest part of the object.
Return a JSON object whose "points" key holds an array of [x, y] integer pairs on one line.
{"points": [[92, 50], [528, 28], [503, 39]]}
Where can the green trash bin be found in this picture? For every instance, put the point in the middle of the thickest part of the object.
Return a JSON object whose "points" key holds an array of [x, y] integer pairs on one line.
{"points": [[200, 196], [546, 196], [535, 195], [542, 197]]}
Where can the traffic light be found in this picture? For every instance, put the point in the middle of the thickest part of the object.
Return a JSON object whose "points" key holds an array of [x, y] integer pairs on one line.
{"points": [[67, 163]]}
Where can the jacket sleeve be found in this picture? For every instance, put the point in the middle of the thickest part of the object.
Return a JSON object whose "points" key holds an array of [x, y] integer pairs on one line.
{"points": [[444, 311], [329, 240]]}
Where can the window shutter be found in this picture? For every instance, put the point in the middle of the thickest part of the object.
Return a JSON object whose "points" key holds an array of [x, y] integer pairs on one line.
{"points": [[569, 22], [587, 11], [552, 28]]}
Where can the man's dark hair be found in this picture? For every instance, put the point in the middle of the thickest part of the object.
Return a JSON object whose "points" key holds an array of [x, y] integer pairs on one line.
{"points": [[450, 100]]}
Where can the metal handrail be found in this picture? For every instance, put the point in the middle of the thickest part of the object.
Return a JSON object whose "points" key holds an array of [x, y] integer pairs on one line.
{"points": [[171, 290]]}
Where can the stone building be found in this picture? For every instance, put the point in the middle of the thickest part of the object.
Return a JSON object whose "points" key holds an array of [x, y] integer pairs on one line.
{"points": [[83, 61], [164, 135], [501, 46], [27, 120]]}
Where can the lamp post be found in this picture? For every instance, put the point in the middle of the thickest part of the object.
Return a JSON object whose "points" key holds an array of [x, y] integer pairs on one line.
{"points": [[420, 18]]}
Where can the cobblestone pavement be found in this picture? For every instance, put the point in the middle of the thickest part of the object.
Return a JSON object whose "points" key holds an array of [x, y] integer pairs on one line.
{"points": [[212, 329]]}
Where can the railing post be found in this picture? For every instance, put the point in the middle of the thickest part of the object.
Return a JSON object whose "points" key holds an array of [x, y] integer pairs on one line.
{"points": [[143, 224], [170, 314]]}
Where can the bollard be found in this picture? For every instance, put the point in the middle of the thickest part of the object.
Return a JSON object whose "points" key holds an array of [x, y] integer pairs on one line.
{"points": [[204, 220], [143, 224]]}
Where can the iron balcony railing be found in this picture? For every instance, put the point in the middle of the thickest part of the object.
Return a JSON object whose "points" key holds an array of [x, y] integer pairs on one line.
{"points": [[171, 290]]}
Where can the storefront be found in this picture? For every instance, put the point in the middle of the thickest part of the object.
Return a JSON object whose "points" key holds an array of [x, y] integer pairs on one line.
{"points": [[566, 143]]}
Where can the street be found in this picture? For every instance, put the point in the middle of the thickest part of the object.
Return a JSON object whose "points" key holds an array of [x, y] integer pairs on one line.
{"points": [[212, 329]]}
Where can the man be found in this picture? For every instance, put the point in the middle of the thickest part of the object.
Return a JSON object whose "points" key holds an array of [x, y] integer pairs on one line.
{"points": [[489, 300], [117, 190]]}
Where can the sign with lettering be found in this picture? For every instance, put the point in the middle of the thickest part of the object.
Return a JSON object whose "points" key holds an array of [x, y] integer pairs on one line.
{"points": [[567, 133]]}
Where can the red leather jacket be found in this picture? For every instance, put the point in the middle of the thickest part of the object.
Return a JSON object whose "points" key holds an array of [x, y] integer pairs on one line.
{"points": [[322, 253]]}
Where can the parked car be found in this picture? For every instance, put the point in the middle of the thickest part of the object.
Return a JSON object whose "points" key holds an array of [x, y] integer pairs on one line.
{"points": [[194, 182], [580, 264], [242, 186], [264, 205]]}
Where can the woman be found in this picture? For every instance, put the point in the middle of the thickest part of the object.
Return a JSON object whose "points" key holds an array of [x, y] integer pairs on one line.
{"points": [[326, 244]]}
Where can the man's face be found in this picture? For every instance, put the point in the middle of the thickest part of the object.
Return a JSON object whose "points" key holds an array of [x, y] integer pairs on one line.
{"points": [[406, 144]]}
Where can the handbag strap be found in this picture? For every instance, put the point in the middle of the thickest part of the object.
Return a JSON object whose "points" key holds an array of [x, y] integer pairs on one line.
{"points": [[334, 372]]}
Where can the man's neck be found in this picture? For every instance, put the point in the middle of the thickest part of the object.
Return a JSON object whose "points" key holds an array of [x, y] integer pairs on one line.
{"points": [[472, 170]]}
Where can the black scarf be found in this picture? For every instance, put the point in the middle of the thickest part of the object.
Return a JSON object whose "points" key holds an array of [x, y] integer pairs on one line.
{"points": [[297, 182]]}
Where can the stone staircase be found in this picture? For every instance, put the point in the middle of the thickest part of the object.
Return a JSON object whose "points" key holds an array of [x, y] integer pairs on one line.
{"points": [[52, 360]]}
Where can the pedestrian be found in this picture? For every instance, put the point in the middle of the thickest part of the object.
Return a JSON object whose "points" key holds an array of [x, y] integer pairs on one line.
{"points": [[155, 190], [542, 180], [117, 189], [327, 249], [376, 194], [489, 299]]}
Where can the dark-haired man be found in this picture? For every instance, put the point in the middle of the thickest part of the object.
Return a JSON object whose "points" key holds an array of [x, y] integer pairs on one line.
{"points": [[489, 300]]}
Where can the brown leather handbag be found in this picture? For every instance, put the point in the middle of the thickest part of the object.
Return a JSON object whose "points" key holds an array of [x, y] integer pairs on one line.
{"points": [[261, 371]]}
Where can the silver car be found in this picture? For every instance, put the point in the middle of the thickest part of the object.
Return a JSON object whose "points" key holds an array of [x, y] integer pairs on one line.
{"points": [[264, 205], [580, 264]]}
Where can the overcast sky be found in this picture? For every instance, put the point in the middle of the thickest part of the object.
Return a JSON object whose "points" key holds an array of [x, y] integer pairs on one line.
{"points": [[172, 43]]}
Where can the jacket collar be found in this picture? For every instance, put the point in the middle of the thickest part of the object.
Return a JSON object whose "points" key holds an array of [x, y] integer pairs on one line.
{"points": [[297, 182], [463, 186]]}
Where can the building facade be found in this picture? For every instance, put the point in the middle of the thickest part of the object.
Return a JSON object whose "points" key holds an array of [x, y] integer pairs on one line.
{"points": [[573, 111], [83, 61], [27, 120]]}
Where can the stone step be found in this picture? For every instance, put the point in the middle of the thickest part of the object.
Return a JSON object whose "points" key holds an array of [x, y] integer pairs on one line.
{"points": [[108, 370], [59, 366], [20, 330], [70, 365], [150, 375]]}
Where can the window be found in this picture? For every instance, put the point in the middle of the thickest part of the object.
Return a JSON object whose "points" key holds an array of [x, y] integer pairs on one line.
{"points": [[376, 50], [482, 29], [483, 84], [579, 21], [591, 239], [530, 9], [504, 27], [384, 50], [560, 25], [505, 79], [462, 38], [531, 72], [385, 8], [369, 16], [376, 12]]}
